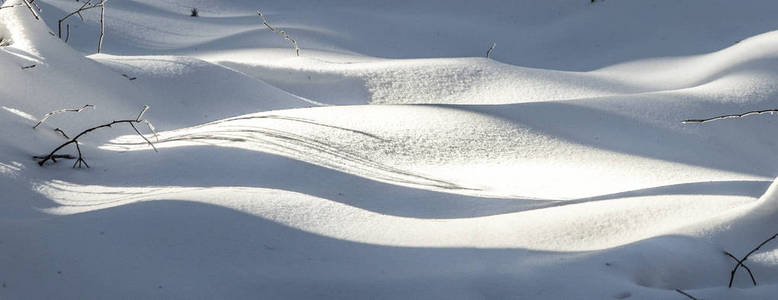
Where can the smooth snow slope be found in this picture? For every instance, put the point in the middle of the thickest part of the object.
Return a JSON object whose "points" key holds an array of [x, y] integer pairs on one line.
{"points": [[391, 160]]}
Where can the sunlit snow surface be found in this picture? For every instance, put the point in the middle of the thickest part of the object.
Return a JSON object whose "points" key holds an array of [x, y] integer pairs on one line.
{"points": [[391, 159]]}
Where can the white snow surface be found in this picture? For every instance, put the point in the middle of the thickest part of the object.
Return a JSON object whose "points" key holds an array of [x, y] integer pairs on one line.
{"points": [[391, 159]]}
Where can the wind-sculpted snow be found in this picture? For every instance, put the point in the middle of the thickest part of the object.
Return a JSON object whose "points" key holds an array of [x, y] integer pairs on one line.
{"points": [[391, 159]]}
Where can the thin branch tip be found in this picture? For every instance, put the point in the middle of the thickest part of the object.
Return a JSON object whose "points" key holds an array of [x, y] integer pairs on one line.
{"points": [[75, 110], [280, 32], [741, 115], [686, 294]]}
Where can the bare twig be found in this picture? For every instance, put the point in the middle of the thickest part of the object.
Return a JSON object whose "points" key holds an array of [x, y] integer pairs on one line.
{"points": [[281, 32], [28, 67], [57, 130], [36, 5], [489, 52], [686, 294], [745, 114], [80, 161], [102, 26], [152, 129], [753, 280], [34, 13], [77, 11], [86, 6], [46, 116], [57, 156], [67, 35], [14, 5], [741, 261], [128, 77]]}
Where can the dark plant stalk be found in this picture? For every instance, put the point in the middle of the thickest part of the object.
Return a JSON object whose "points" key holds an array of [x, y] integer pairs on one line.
{"points": [[53, 155]]}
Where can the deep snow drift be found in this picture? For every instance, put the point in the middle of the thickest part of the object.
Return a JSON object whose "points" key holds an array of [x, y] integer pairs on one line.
{"points": [[391, 159]]}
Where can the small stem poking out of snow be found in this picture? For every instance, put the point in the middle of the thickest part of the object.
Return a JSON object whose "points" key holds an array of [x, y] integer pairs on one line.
{"points": [[489, 52], [281, 32], [686, 294], [86, 6]]}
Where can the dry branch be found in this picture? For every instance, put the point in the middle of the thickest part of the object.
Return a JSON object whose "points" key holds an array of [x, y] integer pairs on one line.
{"points": [[281, 32], [745, 114], [34, 13], [741, 261], [36, 5], [28, 67], [86, 6], [751, 274], [60, 131], [46, 116], [80, 160], [489, 52], [102, 26], [9, 6]]}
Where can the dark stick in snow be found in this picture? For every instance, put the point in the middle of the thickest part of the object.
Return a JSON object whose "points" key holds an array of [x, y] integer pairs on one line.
{"points": [[745, 114], [741, 261], [489, 52], [80, 161], [686, 294], [281, 32]]}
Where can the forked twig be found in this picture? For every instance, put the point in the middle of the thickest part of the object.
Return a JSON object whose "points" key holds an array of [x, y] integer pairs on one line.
{"points": [[86, 6], [80, 160], [741, 261], [745, 114], [753, 280], [281, 32], [46, 116]]}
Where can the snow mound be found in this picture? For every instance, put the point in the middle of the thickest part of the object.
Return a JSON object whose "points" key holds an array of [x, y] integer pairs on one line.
{"points": [[393, 165]]}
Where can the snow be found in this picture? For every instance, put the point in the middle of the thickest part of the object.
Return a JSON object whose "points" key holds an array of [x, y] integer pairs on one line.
{"points": [[391, 159]]}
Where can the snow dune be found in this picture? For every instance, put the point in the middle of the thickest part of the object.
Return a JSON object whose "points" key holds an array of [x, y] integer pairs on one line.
{"points": [[391, 160]]}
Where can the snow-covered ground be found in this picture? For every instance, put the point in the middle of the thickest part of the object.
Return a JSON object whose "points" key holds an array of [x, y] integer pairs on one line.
{"points": [[391, 159]]}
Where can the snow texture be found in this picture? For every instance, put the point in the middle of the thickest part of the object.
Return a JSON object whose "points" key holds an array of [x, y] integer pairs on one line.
{"points": [[391, 159]]}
